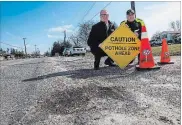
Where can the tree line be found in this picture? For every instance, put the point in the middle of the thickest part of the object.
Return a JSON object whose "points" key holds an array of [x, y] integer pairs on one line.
{"points": [[11, 51], [17, 53]]}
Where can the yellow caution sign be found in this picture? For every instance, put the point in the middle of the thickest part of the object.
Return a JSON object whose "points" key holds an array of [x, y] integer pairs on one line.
{"points": [[122, 46]]}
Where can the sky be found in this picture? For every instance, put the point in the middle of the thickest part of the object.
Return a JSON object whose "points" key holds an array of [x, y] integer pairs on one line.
{"points": [[43, 23]]}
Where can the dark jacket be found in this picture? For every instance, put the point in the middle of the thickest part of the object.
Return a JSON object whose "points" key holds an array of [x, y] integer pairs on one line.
{"points": [[98, 34], [135, 25]]}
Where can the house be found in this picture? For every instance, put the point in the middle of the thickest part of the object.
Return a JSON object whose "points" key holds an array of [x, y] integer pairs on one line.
{"points": [[170, 35]]}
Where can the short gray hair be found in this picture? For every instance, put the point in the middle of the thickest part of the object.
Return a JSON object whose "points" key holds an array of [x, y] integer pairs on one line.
{"points": [[103, 10]]}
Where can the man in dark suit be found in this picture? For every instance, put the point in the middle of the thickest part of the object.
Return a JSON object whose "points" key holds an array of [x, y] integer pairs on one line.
{"points": [[98, 34]]}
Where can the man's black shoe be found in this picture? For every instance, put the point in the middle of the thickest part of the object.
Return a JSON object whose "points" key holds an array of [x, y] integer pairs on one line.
{"points": [[132, 61], [110, 64], [96, 68]]}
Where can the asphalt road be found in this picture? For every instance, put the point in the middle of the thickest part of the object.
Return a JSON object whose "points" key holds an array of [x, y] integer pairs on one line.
{"points": [[67, 91]]}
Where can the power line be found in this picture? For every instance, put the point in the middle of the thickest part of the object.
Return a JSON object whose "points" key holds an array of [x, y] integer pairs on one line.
{"points": [[86, 14], [81, 20], [88, 11], [95, 14], [11, 45], [76, 15], [99, 12]]}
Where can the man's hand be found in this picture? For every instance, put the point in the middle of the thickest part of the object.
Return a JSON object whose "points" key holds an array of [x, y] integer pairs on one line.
{"points": [[136, 34], [127, 25]]}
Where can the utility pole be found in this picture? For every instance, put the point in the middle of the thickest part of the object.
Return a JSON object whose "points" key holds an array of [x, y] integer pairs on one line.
{"points": [[49, 51], [38, 52], [35, 50], [64, 35], [133, 6], [25, 47]]}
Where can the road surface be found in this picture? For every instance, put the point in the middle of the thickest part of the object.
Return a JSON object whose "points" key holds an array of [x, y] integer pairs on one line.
{"points": [[67, 91]]}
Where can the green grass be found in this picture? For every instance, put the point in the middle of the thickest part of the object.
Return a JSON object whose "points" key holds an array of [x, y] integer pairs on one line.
{"points": [[174, 50]]}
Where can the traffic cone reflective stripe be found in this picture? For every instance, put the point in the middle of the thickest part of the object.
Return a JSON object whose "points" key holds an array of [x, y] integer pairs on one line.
{"points": [[144, 35]]}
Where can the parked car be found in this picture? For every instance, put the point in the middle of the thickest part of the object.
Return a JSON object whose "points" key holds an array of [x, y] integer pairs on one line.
{"points": [[66, 52], [169, 42], [178, 39], [155, 42], [74, 51]]}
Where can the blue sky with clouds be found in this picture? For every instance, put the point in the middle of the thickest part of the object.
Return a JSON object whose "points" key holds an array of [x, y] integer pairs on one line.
{"points": [[42, 23]]}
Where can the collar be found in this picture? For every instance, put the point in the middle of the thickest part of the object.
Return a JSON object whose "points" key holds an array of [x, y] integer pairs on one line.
{"points": [[109, 22], [131, 22]]}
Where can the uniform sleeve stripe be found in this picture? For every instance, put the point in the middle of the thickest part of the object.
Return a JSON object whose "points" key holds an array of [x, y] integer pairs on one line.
{"points": [[144, 29], [122, 22], [141, 21]]}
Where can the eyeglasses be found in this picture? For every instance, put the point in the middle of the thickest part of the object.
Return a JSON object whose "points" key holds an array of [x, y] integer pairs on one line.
{"points": [[104, 14]]}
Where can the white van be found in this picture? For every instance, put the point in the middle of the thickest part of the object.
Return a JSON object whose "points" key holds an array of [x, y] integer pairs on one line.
{"points": [[74, 51]]}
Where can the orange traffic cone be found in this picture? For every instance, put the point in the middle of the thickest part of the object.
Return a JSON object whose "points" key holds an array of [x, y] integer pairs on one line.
{"points": [[146, 60], [165, 56], [146, 57]]}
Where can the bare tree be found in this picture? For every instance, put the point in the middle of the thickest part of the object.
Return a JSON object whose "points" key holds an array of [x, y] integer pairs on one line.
{"points": [[156, 35], [66, 44], [84, 31], [178, 25], [74, 39], [173, 26]]}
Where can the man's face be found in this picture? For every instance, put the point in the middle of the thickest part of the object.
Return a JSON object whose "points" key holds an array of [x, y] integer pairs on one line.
{"points": [[131, 17], [104, 16]]}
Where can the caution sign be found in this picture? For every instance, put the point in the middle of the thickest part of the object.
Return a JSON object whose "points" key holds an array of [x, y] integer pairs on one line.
{"points": [[122, 46]]}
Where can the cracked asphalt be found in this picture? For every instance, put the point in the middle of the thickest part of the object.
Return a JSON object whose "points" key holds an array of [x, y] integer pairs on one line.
{"points": [[67, 91]]}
